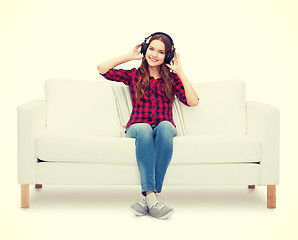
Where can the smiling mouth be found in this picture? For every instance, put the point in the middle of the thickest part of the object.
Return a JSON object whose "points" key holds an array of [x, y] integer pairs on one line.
{"points": [[153, 60]]}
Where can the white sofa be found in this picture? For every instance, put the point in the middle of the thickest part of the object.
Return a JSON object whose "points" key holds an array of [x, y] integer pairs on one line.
{"points": [[73, 136]]}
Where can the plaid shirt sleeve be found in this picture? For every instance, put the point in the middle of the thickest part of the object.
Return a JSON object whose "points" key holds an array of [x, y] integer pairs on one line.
{"points": [[179, 89], [119, 75]]}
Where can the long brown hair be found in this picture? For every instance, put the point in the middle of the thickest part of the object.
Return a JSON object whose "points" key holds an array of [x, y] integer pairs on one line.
{"points": [[165, 72]]}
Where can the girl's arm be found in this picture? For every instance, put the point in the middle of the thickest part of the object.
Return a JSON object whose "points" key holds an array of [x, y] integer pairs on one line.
{"points": [[134, 54], [191, 95]]}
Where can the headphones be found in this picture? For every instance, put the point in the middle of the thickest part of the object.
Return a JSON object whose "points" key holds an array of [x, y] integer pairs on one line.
{"points": [[169, 56]]}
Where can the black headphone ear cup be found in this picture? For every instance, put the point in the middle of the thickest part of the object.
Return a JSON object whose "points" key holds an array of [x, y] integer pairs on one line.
{"points": [[144, 48], [169, 57]]}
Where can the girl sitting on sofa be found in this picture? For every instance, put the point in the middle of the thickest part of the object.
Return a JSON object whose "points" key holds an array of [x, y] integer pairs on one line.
{"points": [[153, 87]]}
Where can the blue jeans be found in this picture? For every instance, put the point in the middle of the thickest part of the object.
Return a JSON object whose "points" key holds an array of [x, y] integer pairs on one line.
{"points": [[154, 149]]}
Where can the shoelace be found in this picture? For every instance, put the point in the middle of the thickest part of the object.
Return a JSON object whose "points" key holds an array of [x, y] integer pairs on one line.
{"points": [[144, 202], [158, 205]]}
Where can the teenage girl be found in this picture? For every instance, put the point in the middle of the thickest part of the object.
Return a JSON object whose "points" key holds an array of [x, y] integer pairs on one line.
{"points": [[153, 87]]}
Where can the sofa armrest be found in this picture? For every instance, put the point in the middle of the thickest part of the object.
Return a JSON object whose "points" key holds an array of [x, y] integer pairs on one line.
{"points": [[263, 123], [31, 122]]}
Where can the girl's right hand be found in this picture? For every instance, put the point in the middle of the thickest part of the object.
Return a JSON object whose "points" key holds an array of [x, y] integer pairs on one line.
{"points": [[135, 53]]}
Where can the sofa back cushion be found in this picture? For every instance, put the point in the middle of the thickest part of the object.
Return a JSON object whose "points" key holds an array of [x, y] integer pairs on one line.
{"points": [[221, 109], [81, 108]]}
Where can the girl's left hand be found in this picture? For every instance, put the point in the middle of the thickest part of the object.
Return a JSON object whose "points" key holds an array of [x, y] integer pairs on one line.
{"points": [[176, 63]]}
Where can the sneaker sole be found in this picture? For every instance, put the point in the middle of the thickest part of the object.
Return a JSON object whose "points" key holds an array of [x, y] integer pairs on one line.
{"points": [[136, 212]]}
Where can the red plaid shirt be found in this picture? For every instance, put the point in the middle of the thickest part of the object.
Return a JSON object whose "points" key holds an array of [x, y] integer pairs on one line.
{"points": [[154, 106]]}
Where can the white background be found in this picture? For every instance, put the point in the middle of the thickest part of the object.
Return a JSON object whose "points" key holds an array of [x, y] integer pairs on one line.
{"points": [[253, 40]]}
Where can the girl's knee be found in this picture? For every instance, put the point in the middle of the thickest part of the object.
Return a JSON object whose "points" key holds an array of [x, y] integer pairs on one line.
{"points": [[166, 124], [140, 130], [166, 127], [144, 128]]}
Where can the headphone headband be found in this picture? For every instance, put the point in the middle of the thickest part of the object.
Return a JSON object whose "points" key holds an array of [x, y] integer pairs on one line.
{"points": [[172, 42]]}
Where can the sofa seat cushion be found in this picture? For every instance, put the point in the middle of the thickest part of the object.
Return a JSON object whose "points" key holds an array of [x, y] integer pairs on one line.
{"points": [[85, 149], [216, 149], [117, 150]]}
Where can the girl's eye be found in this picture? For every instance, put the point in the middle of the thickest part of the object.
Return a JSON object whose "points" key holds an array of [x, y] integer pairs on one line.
{"points": [[162, 52]]}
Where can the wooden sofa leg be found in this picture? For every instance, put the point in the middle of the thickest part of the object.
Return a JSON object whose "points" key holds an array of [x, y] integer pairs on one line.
{"points": [[251, 186], [271, 196], [24, 195], [38, 185]]}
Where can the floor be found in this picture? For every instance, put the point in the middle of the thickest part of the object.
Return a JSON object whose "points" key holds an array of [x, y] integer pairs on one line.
{"points": [[101, 212]]}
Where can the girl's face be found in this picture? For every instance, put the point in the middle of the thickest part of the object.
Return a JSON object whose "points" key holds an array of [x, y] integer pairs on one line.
{"points": [[155, 54]]}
